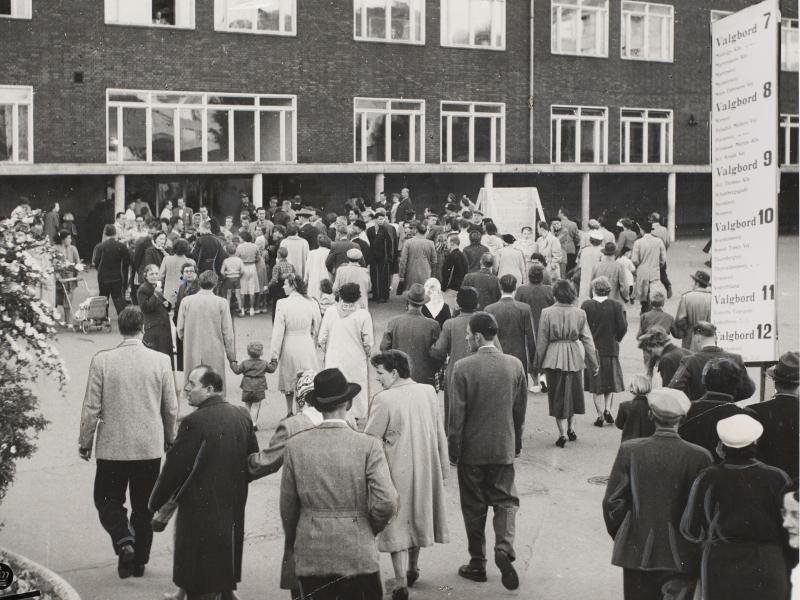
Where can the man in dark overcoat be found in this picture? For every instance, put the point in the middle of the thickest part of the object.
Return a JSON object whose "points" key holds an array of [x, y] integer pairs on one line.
{"points": [[644, 501], [485, 282], [383, 249], [538, 295], [209, 526]]}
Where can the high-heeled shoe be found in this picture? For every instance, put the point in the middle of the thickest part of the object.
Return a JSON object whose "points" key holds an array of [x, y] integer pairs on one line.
{"points": [[411, 577], [572, 435], [561, 441], [607, 416], [598, 422]]}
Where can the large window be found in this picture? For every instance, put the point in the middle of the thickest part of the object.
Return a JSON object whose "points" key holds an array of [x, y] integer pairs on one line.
{"points": [[789, 46], [157, 13], [788, 138], [579, 134], [200, 127], [15, 9], [647, 30], [400, 21], [389, 130], [16, 123], [579, 27], [645, 136], [473, 132], [273, 17], [474, 23]]}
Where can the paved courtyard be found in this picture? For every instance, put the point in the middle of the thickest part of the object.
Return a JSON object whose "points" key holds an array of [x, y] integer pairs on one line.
{"points": [[562, 546]]}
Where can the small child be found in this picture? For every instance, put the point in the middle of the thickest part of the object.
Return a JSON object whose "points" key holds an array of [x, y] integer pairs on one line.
{"points": [[231, 270], [630, 269], [326, 297], [254, 379]]}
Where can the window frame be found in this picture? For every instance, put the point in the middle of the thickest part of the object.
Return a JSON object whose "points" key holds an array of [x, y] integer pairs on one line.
{"points": [[667, 142], [26, 13], [444, 38], [15, 104], [603, 143], [624, 40], [222, 22], [789, 24], [387, 10], [204, 107], [555, 39], [190, 27], [785, 128], [388, 112], [471, 114]]}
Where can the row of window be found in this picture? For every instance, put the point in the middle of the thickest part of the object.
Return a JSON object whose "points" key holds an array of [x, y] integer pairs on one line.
{"points": [[578, 27], [153, 127]]}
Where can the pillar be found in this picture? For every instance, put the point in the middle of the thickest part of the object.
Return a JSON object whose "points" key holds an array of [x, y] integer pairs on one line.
{"points": [[119, 193], [258, 190], [380, 180], [671, 206], [488, 184], [585, 200]]}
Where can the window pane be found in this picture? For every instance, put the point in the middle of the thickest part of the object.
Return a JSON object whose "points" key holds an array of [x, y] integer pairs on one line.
{"points": [[460, 139], [6, 132], [419, 142], [655, 42], [498, 157], [444, 145], [270, 136], [654, 143], [177, 99], [275, 101], [636, 23], [234, 100], [568, 141], [357, 129], [287, 6], [376, 137], [401, 138], [592, 27], [401, 20], [417, 16], [217, 131], [163, 135], [191, 133], [364, 103], [240, 14], [376, 18], [568, 30], [499, 23], [113, 137], [482, 22], [5, 7], [244, 135], [793, 137], [164, 12], [127, 97], [483, 140], [488, 108], [587, 141], [457, 23], [269, 15], [134, 134], [406, 105], [450, 107], [636, 143], [289, 117]]}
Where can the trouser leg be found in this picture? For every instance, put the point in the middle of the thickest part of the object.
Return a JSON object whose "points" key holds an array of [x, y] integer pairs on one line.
{"points": [[446, 411], [143, 478], [642, 585], [665, 278], [110, 483], [113, 291], [473, 508], [501, 494]]}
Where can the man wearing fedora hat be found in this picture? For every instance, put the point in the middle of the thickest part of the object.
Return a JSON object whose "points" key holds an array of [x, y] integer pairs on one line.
{"points": [[614, 271], [414, 334], [307, 229], [695, 306], [778, 446], [336, 496]]}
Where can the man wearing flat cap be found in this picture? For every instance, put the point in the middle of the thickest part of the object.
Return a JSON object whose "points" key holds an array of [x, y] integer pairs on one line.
{"points": [[694, 306], [734, 510], [353, 272], [778, 446], [336, 496], [644, 500]]}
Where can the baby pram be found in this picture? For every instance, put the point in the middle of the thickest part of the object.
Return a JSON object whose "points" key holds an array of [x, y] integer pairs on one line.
{"points": [[91, 313]]}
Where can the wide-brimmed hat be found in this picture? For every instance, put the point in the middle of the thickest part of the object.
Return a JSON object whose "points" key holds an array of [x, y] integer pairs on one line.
{"points": [[702, 278], [305, 212], [416, 294], [331, 388], [787, 369], [610, 249]]}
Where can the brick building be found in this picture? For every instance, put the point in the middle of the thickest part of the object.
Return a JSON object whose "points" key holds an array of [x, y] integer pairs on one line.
{"points": [[603, 105]]}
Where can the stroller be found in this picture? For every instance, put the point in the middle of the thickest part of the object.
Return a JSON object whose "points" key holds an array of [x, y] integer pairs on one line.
{"points": [[91, 313]]}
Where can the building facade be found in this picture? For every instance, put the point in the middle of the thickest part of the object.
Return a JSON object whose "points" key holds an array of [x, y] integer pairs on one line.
{"points": [[603, 105]]}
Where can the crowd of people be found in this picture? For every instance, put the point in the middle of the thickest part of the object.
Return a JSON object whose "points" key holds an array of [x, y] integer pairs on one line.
{"points": [[697, 490]]}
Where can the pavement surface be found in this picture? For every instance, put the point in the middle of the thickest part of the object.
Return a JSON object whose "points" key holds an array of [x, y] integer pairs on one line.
{"points": [[562, 547]]}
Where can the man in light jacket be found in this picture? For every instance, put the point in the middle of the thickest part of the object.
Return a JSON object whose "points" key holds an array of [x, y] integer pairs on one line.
{"points": [[130, 402]]}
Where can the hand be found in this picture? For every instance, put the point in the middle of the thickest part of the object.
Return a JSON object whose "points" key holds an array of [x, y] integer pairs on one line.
{"points": [[85, 453], [453, 460], [167, 445], [596, 372]]}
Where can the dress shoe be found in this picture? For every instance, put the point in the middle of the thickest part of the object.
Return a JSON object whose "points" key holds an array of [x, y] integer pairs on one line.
{"points": [[125, 561], [607, 416], [543, 387], [561, 441], [138, 570], [411, 577], [473, 573], [509, 578], [572, 435], [400, 593], [598, 422]]}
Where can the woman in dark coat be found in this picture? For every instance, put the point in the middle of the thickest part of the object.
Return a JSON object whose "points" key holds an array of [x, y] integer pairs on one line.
{"points": [[154, 254], [633, 416], [607, 321], [155, 309]]}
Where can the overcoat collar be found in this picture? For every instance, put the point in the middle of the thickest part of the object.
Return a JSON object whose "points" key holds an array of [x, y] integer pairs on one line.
{"points": [[211, 401]]}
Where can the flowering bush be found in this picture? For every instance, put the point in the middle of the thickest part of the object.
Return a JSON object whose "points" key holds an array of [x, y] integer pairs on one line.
{"points": [[27, 330]]}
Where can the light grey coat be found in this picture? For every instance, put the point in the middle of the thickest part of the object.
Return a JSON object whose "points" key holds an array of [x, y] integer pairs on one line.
{"points": [[130, 401]]}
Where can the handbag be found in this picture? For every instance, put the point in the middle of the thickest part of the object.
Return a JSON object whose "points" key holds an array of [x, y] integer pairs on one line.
{"points": [[164, 514]]}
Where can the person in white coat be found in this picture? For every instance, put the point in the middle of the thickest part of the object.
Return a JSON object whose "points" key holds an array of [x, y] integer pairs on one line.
{"points": [[589, 257]]}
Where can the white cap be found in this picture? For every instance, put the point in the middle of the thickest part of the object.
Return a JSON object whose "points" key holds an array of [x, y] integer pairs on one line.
{"points": [[668, 403], [739, 431], [596, 235]]}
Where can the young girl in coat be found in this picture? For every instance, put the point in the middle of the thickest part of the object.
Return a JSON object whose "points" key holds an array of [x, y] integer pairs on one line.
{"points": [[231, 270], [254, 379]]}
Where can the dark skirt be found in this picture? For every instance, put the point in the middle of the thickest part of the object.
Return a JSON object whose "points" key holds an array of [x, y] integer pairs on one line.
{"points": [[160, 339], [564, 393], [609, 379]]}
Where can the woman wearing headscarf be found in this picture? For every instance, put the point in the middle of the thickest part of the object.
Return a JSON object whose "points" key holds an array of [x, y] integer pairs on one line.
{"points": [[155, 309], [435, 307]]}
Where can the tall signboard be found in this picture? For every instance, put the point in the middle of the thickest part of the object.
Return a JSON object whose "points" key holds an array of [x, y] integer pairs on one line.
{"points": [[744, 156]]}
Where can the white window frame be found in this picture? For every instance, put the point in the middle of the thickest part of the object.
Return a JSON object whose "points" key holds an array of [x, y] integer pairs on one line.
{"points": [[633, 7], [645, 119], [467, 5], [204, 107], [414, 4], [788, 124], [222, 20], [15, 104], [600, 139], [446, 133], [555, 39], [108, 10], [20, 9], [789, 28], [389, 111]]}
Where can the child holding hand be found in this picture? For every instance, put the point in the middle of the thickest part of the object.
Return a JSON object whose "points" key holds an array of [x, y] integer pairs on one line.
{"points": [[254, 380]]}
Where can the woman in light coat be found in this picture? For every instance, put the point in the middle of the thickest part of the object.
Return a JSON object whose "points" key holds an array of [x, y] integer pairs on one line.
{"points": [[406, 417], [316, 270]]}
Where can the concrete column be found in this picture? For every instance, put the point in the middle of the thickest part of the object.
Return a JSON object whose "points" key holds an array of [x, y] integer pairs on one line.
{"points": [[258, 190], [585, 200], [119, 193], [671, 206], [380, 180], [488, 184]]}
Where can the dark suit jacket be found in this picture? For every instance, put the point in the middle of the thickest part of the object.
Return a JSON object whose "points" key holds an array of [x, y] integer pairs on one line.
{"points": [[689, 377], [487, 408], [778, 445], [403, 209], [112, 259], [700, 425], [382, 245], [338, 255], [473, 253], [453, 270], [669, 361], [515, 330], [488, 287], [538, 296], [414, 334]]}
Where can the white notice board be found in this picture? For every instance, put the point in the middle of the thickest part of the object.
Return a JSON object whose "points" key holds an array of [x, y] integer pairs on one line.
{"points": [[744, 152], [511, 208]]}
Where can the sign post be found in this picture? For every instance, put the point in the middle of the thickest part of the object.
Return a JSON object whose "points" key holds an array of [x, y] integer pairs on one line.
{"points": [[744, 142]]}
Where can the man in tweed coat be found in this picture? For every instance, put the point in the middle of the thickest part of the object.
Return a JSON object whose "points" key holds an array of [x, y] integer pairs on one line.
{"points": [[130, 401]]}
